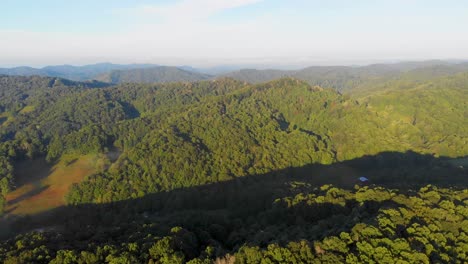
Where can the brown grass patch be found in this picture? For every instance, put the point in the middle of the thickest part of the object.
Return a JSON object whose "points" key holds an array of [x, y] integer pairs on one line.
{"points": [[43, 187]]}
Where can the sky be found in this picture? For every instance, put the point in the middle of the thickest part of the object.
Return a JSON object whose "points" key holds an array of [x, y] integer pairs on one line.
{"points": [[231, 32]]}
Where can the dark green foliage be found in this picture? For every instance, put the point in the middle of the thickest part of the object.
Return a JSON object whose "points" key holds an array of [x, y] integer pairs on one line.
{"points": [[186, 134], [7, 153], [302, 225], [231, 171]]}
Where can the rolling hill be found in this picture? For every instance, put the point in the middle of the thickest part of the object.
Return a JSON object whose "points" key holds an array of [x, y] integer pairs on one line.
{"points": [[217, 170], [160, 74]]}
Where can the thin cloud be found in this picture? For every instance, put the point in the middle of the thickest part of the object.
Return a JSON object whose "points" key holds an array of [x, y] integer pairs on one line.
{"points": [[190, 32], [184, 10]]}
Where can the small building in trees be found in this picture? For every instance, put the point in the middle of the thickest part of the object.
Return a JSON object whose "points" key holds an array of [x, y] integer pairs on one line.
{"points": [[362, 181]]}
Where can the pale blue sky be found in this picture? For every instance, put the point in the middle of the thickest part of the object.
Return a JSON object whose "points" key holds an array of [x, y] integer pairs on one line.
{"points": [[208, 32]]}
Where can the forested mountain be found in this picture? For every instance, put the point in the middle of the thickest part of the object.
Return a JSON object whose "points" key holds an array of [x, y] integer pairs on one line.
{"points": [[22, 71], [228, 170], [160, 74], [258, 76], [348, 78], [341, 78], [76, 73]]}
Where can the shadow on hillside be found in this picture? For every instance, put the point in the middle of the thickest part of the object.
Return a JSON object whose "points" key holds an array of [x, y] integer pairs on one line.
{"points": [[26, 195], [28, 177], [30, 171], [3, 119], [243, 198]]}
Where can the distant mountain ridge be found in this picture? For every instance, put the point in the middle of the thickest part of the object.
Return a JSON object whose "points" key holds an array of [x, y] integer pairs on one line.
{"points": [[158, 74], [75, 73], [341, 78]]}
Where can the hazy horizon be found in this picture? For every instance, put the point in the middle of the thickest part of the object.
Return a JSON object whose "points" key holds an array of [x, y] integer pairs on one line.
{"points": [[252, 65], [206, 33]]}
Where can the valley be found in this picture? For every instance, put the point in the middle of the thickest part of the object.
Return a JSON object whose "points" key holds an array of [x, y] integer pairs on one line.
{"points": [[233, 132], [227, 170]]}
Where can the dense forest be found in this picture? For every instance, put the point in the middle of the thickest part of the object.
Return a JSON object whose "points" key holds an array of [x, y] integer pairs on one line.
{"points": [[234, 171], [152, 75]]}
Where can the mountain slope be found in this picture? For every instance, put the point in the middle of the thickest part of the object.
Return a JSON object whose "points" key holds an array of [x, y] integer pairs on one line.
{"points": [[223, 169], [232, 128], [160, 74], [257, 76]]}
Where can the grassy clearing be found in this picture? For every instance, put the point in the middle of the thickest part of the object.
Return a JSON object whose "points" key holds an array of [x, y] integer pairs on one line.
{"points": [[42, 187], [27, 109]]}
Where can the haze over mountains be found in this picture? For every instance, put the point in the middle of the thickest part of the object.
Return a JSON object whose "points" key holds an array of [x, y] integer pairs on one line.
{"points": [[337, 77], [76, 73], [158, 74]]}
